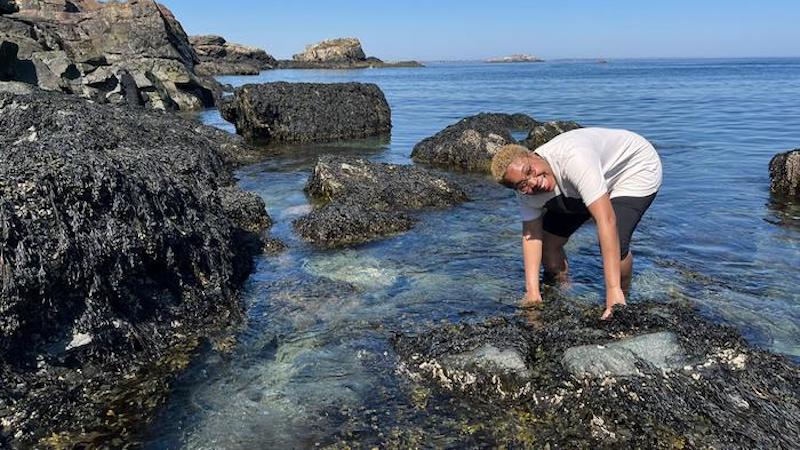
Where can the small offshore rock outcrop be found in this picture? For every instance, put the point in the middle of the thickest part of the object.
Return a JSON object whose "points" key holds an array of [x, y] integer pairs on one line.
{"points": [[784, 174], [362, 201], [340, 53], [306, 112], [516, 58], [655, 376], [470, 143], [122, 238], [132, 52], [220, 57]]}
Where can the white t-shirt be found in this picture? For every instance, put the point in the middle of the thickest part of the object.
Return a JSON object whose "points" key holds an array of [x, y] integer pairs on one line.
{"points": [[589, 162]]}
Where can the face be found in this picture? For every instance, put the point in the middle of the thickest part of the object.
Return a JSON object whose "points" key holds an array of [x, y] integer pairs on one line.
{"points": [[530, 175]]}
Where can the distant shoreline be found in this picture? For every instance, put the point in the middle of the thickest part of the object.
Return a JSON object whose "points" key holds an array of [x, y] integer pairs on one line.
{"points": [[644, 58]]}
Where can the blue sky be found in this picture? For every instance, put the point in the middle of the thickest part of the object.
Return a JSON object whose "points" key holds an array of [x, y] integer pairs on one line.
{"points": [[466, 29]]}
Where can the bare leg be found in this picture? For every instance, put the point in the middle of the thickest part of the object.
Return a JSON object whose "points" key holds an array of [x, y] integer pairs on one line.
{"points": [[626, 272], [554, 259]]}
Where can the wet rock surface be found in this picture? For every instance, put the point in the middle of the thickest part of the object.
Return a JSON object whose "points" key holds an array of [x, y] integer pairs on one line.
{"points": [[784, 173], [220, 57], [119, 52], [470, 143], [121, 241], [362, 201], [695, 384], [340, 53], [305, 112]]}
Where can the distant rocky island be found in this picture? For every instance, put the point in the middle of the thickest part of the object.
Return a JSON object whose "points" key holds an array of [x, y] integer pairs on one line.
{"points": [[517, 58], [340, 53], [220, 57]]}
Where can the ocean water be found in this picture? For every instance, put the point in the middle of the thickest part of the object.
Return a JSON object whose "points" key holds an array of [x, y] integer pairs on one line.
{"points": [[314, 358]]}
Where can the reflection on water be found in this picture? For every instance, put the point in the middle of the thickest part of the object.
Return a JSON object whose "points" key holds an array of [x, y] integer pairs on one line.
{"points": [[313, 358]]}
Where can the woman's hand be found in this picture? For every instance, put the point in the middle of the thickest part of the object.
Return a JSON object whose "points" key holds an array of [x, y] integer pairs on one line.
{"points": [[531, 299], [613, 297]]}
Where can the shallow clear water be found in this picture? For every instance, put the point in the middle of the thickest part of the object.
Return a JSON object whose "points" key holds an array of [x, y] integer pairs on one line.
{"points": [[314, 353]]}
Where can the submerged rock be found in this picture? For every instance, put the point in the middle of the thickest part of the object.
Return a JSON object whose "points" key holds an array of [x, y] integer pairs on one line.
{"points": [[471, 143], [622, 358], [119, 52], [120, 241], [489, 357], [304, 112], [664, 378], [340, 53], [220, 57], [784, 173], [364, 200]]}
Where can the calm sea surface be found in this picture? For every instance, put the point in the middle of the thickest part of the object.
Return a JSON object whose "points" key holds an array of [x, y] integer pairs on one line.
{"points": [[314, 353]]}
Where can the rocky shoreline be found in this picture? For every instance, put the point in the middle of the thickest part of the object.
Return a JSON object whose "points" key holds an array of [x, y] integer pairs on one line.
{"points": [[134, 53]]}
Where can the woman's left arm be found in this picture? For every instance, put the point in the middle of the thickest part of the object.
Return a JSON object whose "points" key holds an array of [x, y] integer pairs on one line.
{"points": [[603, 214]]}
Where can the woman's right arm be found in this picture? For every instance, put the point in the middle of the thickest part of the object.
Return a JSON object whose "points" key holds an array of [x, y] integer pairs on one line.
{"points": [[532, 258]]}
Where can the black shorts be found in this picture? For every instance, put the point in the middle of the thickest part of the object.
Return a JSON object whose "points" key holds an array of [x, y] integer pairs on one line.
{"points": [[565, 215]]}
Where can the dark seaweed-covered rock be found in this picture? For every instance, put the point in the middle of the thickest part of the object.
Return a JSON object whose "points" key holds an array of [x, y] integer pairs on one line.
{"points": [[121, 238], [784, 172], [702, 386], [305, 112], [543, 132], [364, 200], [471, 143]]}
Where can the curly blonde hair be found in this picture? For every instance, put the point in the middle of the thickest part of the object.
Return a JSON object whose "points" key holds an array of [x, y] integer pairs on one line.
{"points": [[504, 157]]}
